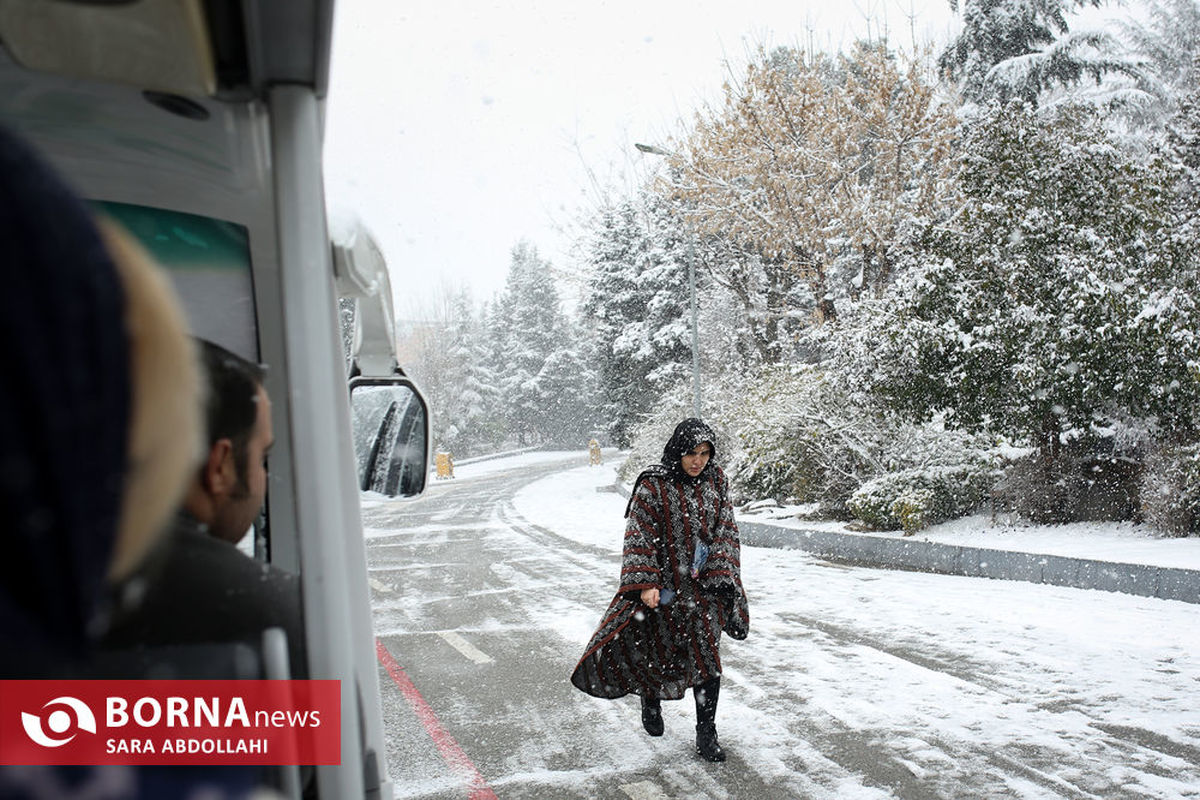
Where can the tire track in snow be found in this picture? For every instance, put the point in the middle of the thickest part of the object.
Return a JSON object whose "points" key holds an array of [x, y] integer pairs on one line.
{"points": [[1115, 743]]}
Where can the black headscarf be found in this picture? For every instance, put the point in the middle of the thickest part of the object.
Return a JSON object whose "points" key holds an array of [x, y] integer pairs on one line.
{"points": [[64, 409], [688, 435]]}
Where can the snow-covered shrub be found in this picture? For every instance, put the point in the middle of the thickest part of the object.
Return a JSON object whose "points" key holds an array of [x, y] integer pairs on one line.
{"points": [[804, 439], [913, 499], [1093, 475], [1170, 490], [913, 508]]}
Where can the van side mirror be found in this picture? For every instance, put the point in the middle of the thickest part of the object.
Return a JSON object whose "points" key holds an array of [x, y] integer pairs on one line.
{"points": [[391, 435]]}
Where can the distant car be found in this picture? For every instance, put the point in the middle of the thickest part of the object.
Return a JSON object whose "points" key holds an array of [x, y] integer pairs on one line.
{"points": [[199, 126]]}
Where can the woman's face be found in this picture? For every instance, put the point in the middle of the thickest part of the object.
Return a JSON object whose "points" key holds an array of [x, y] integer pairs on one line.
{"points": [[694, 462]]}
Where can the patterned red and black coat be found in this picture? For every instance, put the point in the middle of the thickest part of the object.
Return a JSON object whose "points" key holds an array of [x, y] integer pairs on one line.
{"points": [[661, 652]]}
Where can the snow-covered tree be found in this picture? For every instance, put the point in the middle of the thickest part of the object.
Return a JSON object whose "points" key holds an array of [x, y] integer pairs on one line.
{"points": [[566, 389], [815, 160], [612, 304], [636, 304], [442, 347], [1057, 306], [347, 312], [532, 353], [750, 311], [1183, 150], [470, 407], [1018, 49], [1169, 42]]}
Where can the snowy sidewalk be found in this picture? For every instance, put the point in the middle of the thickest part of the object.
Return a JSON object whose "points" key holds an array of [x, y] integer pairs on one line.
{"points": [[1122, 542], [924, 555], [581, 504]]}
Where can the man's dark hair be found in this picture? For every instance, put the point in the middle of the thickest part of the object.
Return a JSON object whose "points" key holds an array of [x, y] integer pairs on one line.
{"points": [[231, 407]]}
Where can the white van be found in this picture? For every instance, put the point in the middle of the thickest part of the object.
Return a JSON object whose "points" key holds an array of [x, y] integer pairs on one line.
{"points": [[198, 124]]}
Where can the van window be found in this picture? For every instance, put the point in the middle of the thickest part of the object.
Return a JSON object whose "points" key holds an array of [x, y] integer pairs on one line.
{"points": [[209, 262]]}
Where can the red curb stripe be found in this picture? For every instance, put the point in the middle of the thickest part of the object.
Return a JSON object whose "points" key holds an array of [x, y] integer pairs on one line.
{"points": [[446, 745]]}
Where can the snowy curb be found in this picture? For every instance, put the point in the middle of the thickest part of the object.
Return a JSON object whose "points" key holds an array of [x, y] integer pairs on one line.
{"points": [[1166, 583]]}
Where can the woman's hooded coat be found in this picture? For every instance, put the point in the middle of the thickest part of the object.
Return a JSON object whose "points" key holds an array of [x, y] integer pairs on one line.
{"points": [[65, 415], [661, 652]]}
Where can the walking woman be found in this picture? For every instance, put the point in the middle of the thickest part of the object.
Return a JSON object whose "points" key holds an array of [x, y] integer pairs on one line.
{"points": [[680, 587]]}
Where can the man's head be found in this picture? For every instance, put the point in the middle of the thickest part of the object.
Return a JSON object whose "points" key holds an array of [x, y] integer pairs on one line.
{"points": [[231, 483]]}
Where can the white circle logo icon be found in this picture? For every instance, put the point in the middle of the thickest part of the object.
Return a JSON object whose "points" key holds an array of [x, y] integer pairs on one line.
{"points": [[59, 720]]}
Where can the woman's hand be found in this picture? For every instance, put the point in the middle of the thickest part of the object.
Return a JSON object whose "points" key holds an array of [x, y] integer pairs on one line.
{"points": [[650, 597]]}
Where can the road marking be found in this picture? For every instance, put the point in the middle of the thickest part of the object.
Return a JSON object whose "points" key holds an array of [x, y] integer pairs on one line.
{"points": [[469, 650], [452, 753], [644, 790]]}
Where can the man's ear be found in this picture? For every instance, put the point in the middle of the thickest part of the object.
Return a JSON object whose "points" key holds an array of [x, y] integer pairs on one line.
{"points": [[220, 473]]}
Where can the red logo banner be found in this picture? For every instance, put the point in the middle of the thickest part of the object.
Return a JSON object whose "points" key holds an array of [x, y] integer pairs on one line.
{"points": [[170, 722]]}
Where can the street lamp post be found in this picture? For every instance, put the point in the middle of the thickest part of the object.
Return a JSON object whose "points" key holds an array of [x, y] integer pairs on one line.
{"points": [[691, 263], [691, 266]]}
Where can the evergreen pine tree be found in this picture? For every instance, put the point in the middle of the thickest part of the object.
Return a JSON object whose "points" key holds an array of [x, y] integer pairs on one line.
{"points": [[541, 382], [1054, 311], [1016, 49], [468, 429], [636, 304], [1183, 146]]}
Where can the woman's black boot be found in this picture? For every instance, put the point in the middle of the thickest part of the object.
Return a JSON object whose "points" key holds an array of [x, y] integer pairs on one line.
{"points": [[652, 716], [706, 695]]}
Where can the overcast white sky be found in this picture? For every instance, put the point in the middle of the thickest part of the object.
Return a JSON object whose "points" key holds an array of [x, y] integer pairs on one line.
{"points": [[456, 128]]}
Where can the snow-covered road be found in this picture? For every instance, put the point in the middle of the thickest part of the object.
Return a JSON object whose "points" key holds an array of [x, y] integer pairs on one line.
{"points": [[854, 683]]}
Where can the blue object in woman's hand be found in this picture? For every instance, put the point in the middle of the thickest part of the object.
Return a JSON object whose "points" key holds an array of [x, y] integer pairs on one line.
{"points": [[700, 558]]}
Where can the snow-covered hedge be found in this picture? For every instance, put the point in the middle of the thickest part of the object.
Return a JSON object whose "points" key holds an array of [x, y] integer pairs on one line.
{"points": [[1170, 490], [801, 440], [806, 439], [913, 499]]}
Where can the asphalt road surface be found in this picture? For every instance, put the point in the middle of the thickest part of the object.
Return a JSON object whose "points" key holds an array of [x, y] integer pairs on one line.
{"points": [[481, 615]]}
